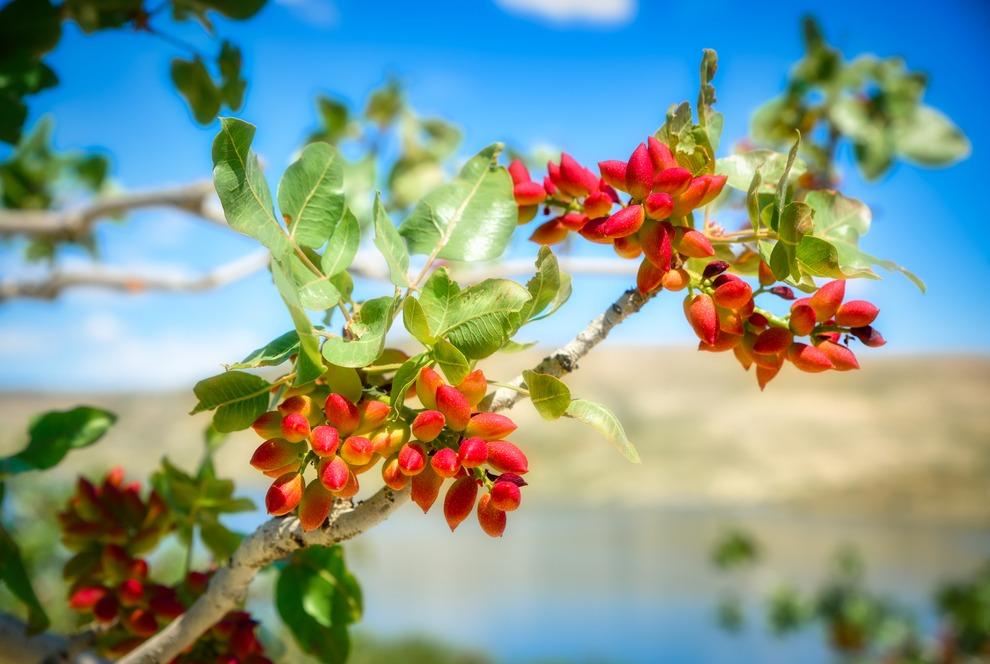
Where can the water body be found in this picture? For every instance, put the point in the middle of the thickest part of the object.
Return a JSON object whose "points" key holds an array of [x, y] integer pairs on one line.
{"points": [[631, 585]]}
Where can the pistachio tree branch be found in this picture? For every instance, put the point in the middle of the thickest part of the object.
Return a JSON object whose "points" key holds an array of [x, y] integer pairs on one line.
{"points": [[366, 264], [118, 279], [273, 540], [196, 198], [16, 646], [279, 537], [564, 360]]}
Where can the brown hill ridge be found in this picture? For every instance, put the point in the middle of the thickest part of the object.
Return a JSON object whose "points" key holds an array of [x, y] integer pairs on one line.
{"points": [[908, 436]]}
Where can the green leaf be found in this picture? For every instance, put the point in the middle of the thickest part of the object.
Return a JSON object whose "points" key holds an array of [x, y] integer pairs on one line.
{"points": [[437, 297], [309, 365], [235, 9], [232, 84], [741, 168], [833, 251], [193, 81], [452, 361], [550, 396], [220, 540], [241, 186], [238, 397], [414, 318], [371, 324], [335, 117], [311, 195], [470, 218], [14, 574], [32, 27], [606, 423], [272, 354], [343, 245], [795, 222], [544, 286], [516, 346], [318, 599], [53, 434], [316, 292], [405, 376], [480, 319], [563, 294], [390, 243], [930, 138], [345, 381]]}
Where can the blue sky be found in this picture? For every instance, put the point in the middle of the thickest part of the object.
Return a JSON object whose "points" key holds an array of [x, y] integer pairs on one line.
{"points": [[591, 76]]}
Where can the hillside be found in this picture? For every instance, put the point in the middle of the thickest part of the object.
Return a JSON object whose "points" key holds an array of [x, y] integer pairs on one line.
{"points": [[907, 435]]}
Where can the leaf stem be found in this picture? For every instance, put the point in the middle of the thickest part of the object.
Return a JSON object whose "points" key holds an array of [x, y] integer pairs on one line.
{"points": [[382, 368], [742, 236], [510, 386]]}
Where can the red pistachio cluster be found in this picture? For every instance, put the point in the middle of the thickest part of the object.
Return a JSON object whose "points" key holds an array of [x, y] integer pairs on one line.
{"points": [[450, 440], [652, 222], [340, 438], [454, 441], [723, 314], [655, 222], [109, 526]]}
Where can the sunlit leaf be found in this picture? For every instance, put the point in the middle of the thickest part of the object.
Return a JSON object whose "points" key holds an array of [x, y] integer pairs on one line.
{"points": [[391, 244], [414, 318], [274, 353], [343, 245], [452, 361], [606, 423], [550, 396], [309, 365], [930, 138], [238, 398], [311, 195], [241, 186], [470, 218], [372, 323]]}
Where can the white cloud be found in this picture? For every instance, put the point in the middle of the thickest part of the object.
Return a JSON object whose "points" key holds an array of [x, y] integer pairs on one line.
{"points": [[605, 12], [319, 13]]}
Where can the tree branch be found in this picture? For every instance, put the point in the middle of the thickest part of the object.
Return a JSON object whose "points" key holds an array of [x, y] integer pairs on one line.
{"points": [[19, 647], [273, 540], [115, 278], [196, 198], [564, 360], [366, 264], [279, 537]]}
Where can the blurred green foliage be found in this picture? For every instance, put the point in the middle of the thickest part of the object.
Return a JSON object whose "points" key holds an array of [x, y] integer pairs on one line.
{"points": [[874, 103], [863, 626]]}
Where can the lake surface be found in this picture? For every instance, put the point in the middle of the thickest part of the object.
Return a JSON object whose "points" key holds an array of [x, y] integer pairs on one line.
{"points": [[630, 585]]}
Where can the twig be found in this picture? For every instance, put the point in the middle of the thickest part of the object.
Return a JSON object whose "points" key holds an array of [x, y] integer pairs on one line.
{"points": [[196, 198], [119, 279], [280, 537], [564, 360]]}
